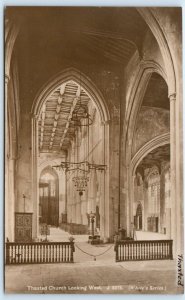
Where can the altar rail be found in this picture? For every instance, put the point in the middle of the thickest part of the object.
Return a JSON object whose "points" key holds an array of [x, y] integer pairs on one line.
{"points": [[143, 250], [38, 253]]}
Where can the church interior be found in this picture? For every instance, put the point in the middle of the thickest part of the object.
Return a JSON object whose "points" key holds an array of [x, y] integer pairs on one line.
{"points": [[93, 123]]}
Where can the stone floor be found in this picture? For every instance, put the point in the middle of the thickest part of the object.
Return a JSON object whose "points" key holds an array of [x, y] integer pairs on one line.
{"points": [[88, 276]]}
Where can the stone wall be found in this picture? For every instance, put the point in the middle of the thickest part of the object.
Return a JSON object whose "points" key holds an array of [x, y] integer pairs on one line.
{"points": [[151, 122]]}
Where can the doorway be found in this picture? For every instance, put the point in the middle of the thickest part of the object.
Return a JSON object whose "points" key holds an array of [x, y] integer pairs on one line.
{"points": [[49, 198], [138, 218]]}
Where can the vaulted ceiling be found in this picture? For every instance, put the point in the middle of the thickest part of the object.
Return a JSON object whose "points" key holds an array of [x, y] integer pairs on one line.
{"points": [[156, 157], [52, 38], [157, 93], [113, 33]]}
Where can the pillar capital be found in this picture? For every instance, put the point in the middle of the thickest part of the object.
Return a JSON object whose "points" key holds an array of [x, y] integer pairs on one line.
{"points": [[105, 122], [12, 158], [35, 117], [172, 97], [7, 78]]}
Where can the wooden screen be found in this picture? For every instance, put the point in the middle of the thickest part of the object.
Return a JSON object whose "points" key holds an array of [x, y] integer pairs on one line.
{"points": [[49, 203], [23, 227]]}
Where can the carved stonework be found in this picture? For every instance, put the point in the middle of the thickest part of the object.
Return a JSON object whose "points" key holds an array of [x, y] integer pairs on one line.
{"points": [[165, 166]]}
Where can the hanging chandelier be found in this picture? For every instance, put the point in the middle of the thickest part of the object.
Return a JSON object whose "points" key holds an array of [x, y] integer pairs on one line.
{"points": [[83, 166], [82, 170], [80, 182], [81, 116]]}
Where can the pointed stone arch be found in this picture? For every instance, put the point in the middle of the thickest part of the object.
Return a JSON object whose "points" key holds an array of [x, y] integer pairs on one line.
{"points": [[147, 148], [143, 75], [81, 79], [48, 169], [150, 18], [173, 68], [96, 96]]}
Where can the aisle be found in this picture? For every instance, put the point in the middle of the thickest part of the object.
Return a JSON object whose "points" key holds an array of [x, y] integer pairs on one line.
{"points": [[59, 235], [84, 252]]}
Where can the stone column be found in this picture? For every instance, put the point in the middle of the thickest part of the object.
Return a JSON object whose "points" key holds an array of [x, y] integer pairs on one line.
{"points": [[11, 32], [66, 202], [105, 201], [129, 200], [176, 171], [11, 198], [179, 169], [173, 154], [10, 157], [68, 199], [35, 185], [7, 154], [61, 194], [168, 223], [78, 210]]}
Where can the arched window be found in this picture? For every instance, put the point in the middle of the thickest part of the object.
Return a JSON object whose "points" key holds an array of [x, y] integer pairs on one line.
{"points": [[47, 177], [154, 191]]}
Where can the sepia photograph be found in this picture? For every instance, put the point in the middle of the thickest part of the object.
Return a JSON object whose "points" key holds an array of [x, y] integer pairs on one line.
{"points": [[93, 150]]}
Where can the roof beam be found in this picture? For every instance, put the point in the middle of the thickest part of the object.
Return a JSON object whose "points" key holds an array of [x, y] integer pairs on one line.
{"points": [[110, 46], [57, 113], [70, 116], [105, 53], [43, 116], [107, 34]]}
